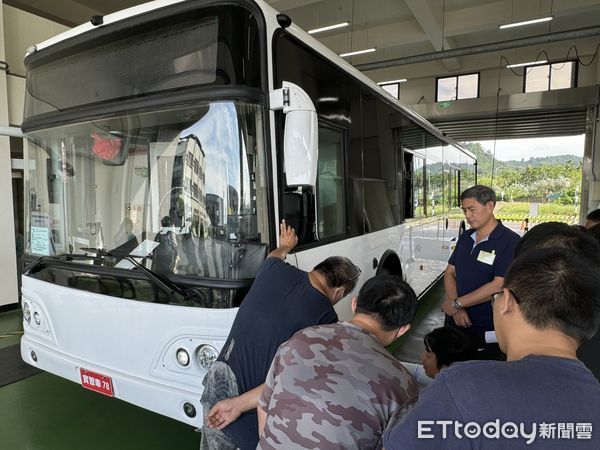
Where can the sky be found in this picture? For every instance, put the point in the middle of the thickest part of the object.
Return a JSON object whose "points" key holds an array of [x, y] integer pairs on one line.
{"points": [[517, 149]]}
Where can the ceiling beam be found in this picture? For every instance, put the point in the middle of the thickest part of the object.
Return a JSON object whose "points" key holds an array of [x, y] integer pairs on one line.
{"points": [[484, 48], [432, 28]]}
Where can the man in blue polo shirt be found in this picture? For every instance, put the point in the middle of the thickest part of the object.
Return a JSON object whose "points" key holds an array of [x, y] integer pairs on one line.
{"points": [[476, 268], [282, 300]]}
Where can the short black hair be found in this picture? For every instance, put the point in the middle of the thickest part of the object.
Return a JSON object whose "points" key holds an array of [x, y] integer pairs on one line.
{"points": [[389, 299], [559, 235], [166, 221], [594, 215], [339, 271], [450, 345], [481, 193], [557, 289]]}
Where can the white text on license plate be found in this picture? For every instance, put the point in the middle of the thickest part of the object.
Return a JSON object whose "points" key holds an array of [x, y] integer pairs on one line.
{"points": [[96, 382]]}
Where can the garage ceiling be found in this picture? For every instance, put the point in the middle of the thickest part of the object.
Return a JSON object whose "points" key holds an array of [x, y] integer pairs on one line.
{"points": [[403, 28]]}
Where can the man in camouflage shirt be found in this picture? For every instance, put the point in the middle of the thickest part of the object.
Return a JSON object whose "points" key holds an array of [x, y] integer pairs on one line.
{"points": [[336, 386]]}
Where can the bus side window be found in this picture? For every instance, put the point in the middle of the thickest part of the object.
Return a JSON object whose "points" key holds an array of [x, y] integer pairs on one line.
{"points": [[331, 183], [414, 188]]}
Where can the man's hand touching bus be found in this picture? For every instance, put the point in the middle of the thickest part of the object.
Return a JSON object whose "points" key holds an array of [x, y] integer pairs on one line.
{"points": [[287, 241]]}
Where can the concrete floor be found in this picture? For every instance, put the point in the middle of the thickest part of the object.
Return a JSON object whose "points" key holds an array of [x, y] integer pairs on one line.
{"points": [[429, 316]]}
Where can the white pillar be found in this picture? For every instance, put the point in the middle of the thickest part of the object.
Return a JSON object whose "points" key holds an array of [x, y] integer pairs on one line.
{"points": [[8, 258]]}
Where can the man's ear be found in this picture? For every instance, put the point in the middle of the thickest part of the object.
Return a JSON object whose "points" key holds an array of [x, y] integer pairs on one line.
{"points": [[402, 330], [508, 302], [339, 291], [353, 305]]}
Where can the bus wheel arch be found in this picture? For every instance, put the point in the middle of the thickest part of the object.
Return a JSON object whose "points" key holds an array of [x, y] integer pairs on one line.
{"points": [[389, 264]]}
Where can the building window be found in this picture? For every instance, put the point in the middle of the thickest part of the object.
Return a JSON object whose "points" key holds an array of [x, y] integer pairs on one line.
{"points": [[457, 88], [393, 89], [546, 77]]}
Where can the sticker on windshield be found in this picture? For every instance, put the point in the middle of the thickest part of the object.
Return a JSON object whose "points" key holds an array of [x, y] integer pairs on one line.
{"points": [[40, 238], [40, 243]]}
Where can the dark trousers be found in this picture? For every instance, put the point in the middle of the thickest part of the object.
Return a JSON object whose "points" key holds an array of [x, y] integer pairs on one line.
{"points": [[485, 351]]}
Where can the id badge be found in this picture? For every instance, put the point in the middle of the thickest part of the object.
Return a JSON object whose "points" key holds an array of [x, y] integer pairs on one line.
{"points": [[486, 257]]}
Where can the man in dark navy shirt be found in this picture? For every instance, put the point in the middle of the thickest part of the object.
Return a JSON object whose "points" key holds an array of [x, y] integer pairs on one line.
{"points": [[282, 300], [543, 397], [476, 268]]}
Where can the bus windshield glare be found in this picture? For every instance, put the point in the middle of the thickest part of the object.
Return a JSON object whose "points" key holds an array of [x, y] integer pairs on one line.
{"points": [[188, 183]]}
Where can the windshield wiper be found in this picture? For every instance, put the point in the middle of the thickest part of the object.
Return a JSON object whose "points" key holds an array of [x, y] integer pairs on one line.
{"points": [[64, 257], [164, 285]]}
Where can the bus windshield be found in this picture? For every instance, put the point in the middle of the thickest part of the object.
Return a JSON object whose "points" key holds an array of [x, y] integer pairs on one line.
{"points": [[186, 187], [204, 46]]}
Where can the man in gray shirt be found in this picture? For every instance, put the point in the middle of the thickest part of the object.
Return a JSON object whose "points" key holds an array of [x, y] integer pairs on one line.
{"points": [[543, 396]]}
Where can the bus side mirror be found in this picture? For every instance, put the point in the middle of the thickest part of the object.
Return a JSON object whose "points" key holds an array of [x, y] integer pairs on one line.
{"points": [[300, 139]]}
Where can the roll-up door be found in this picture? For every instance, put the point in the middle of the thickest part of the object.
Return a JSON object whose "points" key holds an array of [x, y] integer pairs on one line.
{"points": [[516, 125]]}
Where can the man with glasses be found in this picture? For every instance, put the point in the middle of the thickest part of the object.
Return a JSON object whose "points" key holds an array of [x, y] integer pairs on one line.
{"points": [[336, 386], [543, 396], [477, 267], [282, 300]]}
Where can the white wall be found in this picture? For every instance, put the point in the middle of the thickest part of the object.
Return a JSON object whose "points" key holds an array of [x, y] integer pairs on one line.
{"points": [[8, 260], [16, 99], [22, 30], [422, 77]]}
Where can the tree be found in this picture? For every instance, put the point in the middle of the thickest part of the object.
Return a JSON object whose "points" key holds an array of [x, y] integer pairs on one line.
{"points": [[549, 178]]}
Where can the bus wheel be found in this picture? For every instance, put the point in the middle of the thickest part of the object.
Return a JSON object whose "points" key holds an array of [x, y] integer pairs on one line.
{"points": [[389, 264]]}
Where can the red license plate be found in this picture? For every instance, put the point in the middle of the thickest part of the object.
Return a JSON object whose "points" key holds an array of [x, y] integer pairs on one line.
{"points": [[96, 382]]}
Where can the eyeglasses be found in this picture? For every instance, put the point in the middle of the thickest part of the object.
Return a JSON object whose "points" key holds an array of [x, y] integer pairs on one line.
{"points": [[356, 274], [495, 295]]}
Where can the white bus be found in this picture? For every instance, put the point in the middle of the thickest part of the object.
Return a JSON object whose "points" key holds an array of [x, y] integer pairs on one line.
{"points": [[164, 144]]}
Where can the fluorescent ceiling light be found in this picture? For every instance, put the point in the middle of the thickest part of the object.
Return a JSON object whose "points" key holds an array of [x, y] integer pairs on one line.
{"points": [[527, 22], [358, 52], [401, 80], [531, 63], [330, 27]]}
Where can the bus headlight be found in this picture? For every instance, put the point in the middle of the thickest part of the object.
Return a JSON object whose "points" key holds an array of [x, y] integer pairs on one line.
{"points": [[36, 318], [27, 312], [183, 357], [206, 355]]}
